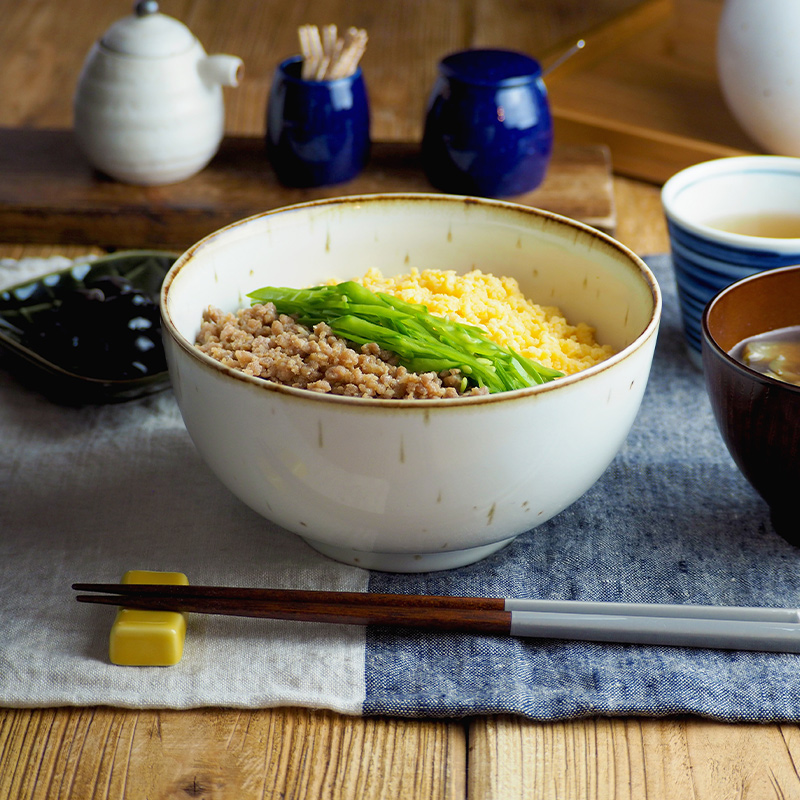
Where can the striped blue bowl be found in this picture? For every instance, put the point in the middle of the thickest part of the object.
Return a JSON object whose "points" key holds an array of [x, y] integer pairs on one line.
{"points": [[706, 258]]}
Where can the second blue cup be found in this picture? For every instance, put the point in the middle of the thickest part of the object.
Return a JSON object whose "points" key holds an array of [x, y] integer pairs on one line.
{"points": [[317, 131], [488, 127]]}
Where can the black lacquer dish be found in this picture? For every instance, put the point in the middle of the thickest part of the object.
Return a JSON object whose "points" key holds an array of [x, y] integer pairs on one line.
{"points": [[90, 333]]}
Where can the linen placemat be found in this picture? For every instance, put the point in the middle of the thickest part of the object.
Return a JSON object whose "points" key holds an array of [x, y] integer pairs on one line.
{"points": [[91, 492]]}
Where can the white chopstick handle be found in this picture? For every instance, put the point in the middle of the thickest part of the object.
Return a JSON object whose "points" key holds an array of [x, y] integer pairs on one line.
{"points": [[683, 611], [673, 631]]}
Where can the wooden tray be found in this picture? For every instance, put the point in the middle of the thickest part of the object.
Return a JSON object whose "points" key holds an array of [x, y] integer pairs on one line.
{"points": [[50, 194], [646, 85]]}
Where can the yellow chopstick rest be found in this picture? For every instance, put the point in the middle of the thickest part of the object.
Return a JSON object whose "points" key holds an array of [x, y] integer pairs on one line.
{"points": [[148, 638]]}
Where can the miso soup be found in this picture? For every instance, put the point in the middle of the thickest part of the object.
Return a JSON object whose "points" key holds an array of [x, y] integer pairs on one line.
{"points": [[775, 354]]}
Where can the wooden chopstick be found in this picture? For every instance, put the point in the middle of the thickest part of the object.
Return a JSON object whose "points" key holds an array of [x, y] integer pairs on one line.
{"points": [[326, 56], [727, 627], [294, 595], [469, 614]]}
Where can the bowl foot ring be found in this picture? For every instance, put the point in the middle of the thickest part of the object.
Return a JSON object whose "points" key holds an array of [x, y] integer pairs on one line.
{"points": [[408, 562]]}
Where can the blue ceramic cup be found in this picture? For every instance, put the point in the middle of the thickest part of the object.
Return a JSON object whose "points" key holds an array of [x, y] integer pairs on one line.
{"points": [[488, 128], [728, 219], [317, 131]]}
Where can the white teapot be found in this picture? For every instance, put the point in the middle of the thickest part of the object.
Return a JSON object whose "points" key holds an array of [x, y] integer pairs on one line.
{"points": [[148, 108]]}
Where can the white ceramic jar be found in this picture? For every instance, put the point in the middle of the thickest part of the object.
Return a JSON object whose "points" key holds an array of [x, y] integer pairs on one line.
{"points": [[758, 63], [148, 106]]}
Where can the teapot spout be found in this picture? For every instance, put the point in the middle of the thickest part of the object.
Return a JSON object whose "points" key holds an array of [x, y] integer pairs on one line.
{"points": [[221, 69]]}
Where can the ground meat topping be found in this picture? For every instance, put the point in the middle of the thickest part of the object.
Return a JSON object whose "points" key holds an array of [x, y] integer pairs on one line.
{"points": [[260, 342]]}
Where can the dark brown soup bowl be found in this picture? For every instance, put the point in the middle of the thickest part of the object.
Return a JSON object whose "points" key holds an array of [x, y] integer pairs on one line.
{"points": [[758, 416]]}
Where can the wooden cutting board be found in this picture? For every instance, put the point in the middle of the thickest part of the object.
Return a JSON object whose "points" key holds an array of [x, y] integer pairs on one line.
{"points": [[50, 194]]}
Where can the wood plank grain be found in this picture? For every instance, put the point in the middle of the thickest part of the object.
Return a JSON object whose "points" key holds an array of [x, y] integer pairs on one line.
{"points": [[80, 753], [641, 224], [43, 45], [632, 758], [50, 193], [646, 86], [544, 30]]}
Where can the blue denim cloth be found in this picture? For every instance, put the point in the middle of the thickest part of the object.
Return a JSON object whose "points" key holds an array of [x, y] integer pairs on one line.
{"points": [[671, 521]]}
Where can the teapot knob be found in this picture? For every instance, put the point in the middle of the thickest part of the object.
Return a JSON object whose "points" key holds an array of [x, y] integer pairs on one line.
{"points": [[144, 7]]}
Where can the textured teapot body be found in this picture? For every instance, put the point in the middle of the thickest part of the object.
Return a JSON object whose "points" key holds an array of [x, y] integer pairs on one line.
{"points": [[152, 119]]}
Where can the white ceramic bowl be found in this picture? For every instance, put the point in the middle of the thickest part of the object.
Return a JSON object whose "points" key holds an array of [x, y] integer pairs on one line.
{"points": [[411, 486]]}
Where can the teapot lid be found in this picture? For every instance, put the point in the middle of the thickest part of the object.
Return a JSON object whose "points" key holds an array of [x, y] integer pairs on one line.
{"points": [[148, 33]]}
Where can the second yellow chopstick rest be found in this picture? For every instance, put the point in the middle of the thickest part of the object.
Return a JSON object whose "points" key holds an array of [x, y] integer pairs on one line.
{"points": [[142, 638]]}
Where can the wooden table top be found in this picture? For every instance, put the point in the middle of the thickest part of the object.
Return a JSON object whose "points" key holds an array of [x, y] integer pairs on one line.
{"points": [[221, 753]]}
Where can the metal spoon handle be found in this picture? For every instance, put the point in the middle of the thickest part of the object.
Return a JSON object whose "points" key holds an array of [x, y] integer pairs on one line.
{"points": [[579, 45]]}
